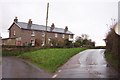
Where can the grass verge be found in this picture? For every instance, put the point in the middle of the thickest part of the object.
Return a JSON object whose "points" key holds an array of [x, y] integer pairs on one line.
{"points": [[112, 60], [50, 59]]}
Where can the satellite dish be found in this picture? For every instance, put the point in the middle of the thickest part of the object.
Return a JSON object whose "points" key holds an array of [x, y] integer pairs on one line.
{"points": [[117, 29]]}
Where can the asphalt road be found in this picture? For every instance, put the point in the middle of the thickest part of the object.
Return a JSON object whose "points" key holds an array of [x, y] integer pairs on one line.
{"points": [[13, 67], [87, 64]]}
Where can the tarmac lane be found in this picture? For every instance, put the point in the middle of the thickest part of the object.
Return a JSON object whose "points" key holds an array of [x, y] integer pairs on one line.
{"points": [[13, 67], [87, 64]]}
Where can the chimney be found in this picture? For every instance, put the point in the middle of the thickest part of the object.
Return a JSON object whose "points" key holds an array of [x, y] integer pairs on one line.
{"points": [[29, 23], [66, 29], [16, 20], [52, 26]]}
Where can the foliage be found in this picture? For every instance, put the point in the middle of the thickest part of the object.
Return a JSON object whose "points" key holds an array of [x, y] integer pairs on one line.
{"points": [[113, 60], [83, 41], [16, 50], [77, 44], [55, 43], [112, 47], [112, 41], [68, 43], [51, 59], [60, 43], [29, 44]]}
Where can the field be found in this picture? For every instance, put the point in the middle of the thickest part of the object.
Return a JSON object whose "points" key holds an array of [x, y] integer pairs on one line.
{"points": [[50, 59]]}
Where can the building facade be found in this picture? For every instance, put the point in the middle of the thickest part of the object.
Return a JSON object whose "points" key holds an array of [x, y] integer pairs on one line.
{"points": [[35, 35]]}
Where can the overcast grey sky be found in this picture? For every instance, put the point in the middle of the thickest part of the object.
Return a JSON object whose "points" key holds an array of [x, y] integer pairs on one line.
{"points": [[81, 16]]}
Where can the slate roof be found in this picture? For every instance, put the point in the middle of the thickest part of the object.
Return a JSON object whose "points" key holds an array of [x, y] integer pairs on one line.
{"points": [[24, 25]]}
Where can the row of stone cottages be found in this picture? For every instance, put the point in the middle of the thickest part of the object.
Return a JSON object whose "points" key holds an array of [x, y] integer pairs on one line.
{"points": [[21, 34]]}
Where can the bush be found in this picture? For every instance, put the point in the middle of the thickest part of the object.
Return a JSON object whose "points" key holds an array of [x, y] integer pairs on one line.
{"points": [[77, 44], [112, 47], [113, 60], [68, 44], [16, 50]]}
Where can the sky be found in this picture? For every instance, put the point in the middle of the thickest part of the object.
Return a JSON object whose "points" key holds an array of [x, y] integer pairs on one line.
{"points": [[81, 16]]}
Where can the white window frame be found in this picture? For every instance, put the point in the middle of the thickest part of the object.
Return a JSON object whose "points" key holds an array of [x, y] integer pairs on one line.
{"points": [[33, 42], [70, 37], [43, 34], [14, 32], [33, 33], [18, 39], [43, 43], [63, 36], [56, 35], [49, 39]]}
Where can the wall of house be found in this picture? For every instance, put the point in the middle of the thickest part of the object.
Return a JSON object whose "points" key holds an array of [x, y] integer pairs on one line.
{"points": [[27, 37], [8, 42], [14, 30], [59, 36], [39, 37], [24, 36]]}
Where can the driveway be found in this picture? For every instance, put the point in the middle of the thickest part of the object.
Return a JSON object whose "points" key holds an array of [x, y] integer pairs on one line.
{"points": [[13, 67], [87, 64]]}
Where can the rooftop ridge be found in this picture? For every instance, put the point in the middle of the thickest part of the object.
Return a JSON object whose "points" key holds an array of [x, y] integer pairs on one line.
{"points": [[41, 27]]}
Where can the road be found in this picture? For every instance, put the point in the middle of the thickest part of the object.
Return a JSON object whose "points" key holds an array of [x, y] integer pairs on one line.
{"points": [[87, 64], [13, 67]]}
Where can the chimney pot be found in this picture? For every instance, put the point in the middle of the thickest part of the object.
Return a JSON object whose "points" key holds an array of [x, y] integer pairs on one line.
{"points": [[66, 29], [29, 23], [16, 20], [52, 26]]}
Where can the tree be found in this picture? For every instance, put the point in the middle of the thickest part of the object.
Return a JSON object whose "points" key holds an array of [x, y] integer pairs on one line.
{"points": [[112, 42], [76, 44], [54, 42], [83, 41], [68, 43], [84, 36]]}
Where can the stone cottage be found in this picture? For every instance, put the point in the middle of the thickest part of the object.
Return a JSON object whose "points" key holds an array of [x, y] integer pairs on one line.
{"points": [[34, 34]]}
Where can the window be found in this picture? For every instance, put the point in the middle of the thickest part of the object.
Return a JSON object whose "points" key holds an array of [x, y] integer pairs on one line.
{"points": [[33, 33], [49, 39], [43, 43], [18, 39], [33, 42], [70, 36], [63, 36], [43, 34], [56, 35], [14, 33]]}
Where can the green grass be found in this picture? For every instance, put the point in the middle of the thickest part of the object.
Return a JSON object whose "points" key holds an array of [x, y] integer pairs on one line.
{"points": [[51, 59], [112, 60]]}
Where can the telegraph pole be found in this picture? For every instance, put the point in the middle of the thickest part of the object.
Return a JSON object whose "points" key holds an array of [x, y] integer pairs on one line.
{"points": [[46, 24]]}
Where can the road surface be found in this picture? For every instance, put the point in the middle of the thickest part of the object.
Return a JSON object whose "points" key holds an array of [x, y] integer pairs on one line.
{"points": [[13, 67], [87, 64]]}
